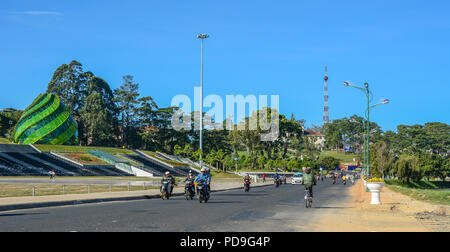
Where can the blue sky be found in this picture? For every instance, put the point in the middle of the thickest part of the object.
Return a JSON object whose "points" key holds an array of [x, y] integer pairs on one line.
{"points": [[401, 48]]}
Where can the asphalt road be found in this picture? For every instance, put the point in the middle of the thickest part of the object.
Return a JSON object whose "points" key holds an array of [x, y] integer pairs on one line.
{"points": [[262, 209]]}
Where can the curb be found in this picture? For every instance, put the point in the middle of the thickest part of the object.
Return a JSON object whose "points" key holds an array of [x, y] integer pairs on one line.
{"points": [[90, 201]]}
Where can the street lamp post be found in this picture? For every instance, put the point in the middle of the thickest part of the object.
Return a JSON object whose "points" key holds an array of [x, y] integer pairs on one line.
{"points": [[201, 36], [369, 96]]}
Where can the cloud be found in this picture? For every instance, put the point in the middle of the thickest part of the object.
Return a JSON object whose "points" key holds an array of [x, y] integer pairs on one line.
{"points": [[39, 13]]}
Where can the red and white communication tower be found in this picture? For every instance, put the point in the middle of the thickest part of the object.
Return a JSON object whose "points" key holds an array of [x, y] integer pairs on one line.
{"points": [[326, 115]]}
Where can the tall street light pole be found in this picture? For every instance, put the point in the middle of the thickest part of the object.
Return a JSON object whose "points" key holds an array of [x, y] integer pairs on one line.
{"points": [[201, 36], [369, 96]]}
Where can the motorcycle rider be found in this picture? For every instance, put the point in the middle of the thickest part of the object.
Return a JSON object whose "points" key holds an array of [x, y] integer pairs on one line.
{"points": [[276, 177], [247, 179], [190, 179], [205, 178], [344, 179], [309, 180], [333, 178], [168, 178]]}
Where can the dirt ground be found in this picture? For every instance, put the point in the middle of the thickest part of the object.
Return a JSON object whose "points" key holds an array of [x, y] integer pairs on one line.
{"points": [[398, 213]]}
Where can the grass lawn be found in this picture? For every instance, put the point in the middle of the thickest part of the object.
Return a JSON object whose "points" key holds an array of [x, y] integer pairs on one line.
{"points": [[86, 178], [171, 162], [220, 174], [84, 158], [437, 192], [441, 197], [81, 149], [20, 190], [344, 157], [4, 141]]}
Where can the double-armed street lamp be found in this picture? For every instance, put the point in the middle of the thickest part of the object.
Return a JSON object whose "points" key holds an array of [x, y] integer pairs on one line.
{"points": [[201, 36], [369, 95]]}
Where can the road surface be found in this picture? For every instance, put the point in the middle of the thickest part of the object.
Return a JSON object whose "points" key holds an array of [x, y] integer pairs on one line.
{"points": [[262, 209]]}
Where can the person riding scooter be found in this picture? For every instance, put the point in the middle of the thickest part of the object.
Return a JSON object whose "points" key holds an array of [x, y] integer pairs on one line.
{"points": [[189, 183], [276, 179], [333, 178], [205, 179], [167, 182], [247, 182]]}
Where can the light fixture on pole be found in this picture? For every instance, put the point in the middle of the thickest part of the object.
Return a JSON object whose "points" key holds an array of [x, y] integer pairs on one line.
{"points": [[201, 36], [369, 96]]}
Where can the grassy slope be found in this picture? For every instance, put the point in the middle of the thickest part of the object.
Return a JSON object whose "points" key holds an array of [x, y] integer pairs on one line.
{"points": [[4, 141], [424, 190], [81, 149], [171, 162], [344, 157]]}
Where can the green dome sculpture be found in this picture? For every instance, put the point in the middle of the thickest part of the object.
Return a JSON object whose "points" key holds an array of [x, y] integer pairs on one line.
{"points": [[46, 121]]}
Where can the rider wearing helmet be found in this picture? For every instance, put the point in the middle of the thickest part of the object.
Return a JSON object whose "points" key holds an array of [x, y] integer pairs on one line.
{"points": [[168, 177], [204, 178], [309, 180], [246, 177]]}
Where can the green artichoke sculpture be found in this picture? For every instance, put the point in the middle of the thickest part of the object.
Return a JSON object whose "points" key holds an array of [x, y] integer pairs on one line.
{"points": [[46, 121]]}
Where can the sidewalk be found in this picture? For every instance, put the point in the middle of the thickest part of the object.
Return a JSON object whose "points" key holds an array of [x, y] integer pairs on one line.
{"points": [[16, 203], [398, 213]]}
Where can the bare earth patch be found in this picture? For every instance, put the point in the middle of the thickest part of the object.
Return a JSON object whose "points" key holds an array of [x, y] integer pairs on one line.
{"points": [[398, 213]]}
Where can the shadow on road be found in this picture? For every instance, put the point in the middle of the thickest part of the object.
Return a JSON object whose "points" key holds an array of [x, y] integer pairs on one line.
{"points": [[245, 194], [224, 202], [20, 214], [331, 207]]}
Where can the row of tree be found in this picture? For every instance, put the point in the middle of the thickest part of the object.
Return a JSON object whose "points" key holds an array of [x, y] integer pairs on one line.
{"points": [[122, 117], [412, 153]]}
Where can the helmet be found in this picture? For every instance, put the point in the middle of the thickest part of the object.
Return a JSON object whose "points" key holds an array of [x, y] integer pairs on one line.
{"points": [[203, 169], [167, 172]]}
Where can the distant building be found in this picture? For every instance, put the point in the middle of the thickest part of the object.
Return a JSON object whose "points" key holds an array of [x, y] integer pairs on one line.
{"points": [[315, 138]]}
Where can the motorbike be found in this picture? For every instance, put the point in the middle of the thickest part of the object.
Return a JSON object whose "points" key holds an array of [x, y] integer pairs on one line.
{"points": [[246, 186], [165, 194], [277, 182], [344, 181], [334, 181], [201, 190], [189, 191]]}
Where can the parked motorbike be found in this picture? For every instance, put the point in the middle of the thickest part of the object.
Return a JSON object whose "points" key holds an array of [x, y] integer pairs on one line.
{"points": [[189, 190], [201, 190]]}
